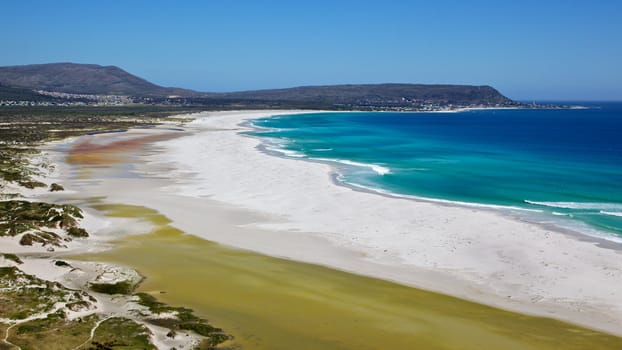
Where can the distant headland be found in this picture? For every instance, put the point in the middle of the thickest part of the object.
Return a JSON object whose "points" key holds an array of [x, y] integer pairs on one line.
{"points": [[71, 84]]}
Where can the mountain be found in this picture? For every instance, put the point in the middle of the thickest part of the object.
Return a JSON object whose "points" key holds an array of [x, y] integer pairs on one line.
{"points": [[92, 79], [82, 79], [370, 94]]}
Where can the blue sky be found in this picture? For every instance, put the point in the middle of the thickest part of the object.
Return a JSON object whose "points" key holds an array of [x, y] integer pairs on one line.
{"points": [[568, 50]]}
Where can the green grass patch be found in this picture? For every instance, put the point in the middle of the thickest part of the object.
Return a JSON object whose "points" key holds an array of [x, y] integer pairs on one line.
{"points": [[54, 332], [121, 333], [33, 218], [13, 258], [77, 232], [56, 187], [32, 184], [123, 287], [18, 216], [23, 295], [184, 320]]}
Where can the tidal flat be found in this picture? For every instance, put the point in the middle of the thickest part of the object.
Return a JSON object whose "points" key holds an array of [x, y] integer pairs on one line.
{"points": [[273, 303]]}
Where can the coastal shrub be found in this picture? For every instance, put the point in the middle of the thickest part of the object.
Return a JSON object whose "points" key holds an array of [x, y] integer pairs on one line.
{"points": [[72, 210], [29, 328], [56, 187], [217, 338], [123, 287], [156, 307], [18, 216], [150, 302], [170, 323], [8, 272], [29, 239], [20, 315], [199, 328], [26, 239], [65, 220], [31, 184], [49, 237], [186, 320], [58, 315], [25, 295], [10, 175], [123, 333], [101, 346], [8, 195], [78, 305], [77, 232], [13, 258], [43, 237], [14, 228]]}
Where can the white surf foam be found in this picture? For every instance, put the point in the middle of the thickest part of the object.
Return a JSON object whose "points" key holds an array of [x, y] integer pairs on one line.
{"points": [[611, 213], [286, 152], [578, 205], [443, 201], [378, 169]]}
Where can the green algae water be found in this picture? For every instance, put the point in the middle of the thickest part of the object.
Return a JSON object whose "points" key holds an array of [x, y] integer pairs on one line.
{"points": [[559, 166], [271, 303]]}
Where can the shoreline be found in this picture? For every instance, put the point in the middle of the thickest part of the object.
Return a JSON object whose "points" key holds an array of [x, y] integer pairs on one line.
{"points": [[601, 238], [581, 231], [475, 283]]}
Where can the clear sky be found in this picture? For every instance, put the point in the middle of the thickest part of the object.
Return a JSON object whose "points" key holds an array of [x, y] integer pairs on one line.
{"points": [[546, 49]]}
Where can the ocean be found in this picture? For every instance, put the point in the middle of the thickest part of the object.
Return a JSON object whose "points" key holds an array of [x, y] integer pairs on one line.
{"points": [[552, 166]]}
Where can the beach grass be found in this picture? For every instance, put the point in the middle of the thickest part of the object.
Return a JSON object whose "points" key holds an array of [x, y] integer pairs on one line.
{"points": [[272, 303], [54, 332], [121, 333]]}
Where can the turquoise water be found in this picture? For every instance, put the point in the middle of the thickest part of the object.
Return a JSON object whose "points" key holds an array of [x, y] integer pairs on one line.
{"points": [[553, 166]]}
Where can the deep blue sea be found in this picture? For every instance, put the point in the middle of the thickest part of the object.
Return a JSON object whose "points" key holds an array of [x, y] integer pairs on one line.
{"points": [[556, 166]]}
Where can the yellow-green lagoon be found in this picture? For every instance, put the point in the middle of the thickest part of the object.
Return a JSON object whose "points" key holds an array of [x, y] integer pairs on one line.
{"points": [[272, 303]]}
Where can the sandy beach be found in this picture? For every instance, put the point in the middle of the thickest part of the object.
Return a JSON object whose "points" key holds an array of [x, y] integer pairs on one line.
{"points": [[214, 183], [297, 211]]}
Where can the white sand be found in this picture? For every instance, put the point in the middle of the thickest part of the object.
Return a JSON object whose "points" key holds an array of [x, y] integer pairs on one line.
{"points": [[302, 215]]}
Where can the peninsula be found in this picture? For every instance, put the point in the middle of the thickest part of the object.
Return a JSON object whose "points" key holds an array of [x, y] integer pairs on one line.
{"points": [[68, 84]]}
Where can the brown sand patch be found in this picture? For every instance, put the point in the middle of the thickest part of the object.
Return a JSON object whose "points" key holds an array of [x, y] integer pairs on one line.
{"points": [[92, 153]]}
